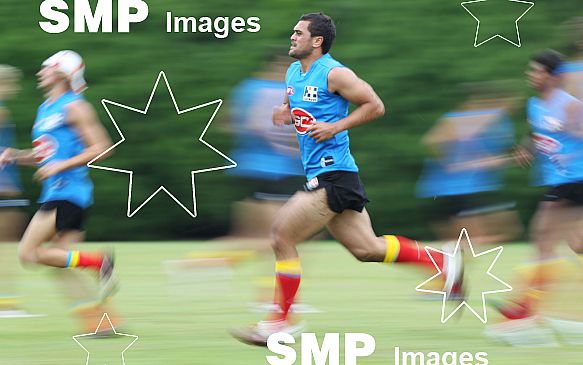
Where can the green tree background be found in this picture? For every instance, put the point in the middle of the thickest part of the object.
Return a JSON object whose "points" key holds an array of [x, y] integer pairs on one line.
{"points": [[414, 53]]}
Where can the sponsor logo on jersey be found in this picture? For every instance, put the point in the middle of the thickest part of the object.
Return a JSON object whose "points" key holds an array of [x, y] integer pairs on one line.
{"points": [[545, 144], [310, 94], [43, 148], [50, 122], [290, 90], [302, 120]]}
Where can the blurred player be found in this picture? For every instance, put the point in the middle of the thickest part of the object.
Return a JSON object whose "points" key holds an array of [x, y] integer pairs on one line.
{"points": [[319, 91], [572, 70], [268, 170], [266, 155], [11, 219], [66, 136], [464, 171], [268, 165], [556, 122]]}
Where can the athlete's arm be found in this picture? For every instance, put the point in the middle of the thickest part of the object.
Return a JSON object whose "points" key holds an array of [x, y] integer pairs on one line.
{"points": [[575, 118], [83, 118], [16, 156], [343, 81], [281, 114]]}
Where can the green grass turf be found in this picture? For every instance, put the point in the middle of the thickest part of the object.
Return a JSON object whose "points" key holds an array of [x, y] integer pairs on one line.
{"points": [[183, 318]]}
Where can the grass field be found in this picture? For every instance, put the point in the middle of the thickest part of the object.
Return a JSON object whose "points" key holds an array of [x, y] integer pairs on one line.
{"points": [[183, 317]]}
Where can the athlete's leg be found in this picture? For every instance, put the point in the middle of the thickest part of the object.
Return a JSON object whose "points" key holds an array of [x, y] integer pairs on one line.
{"points": [[42, 228], [548, 229], [82, 293], [354, 231], [301, 217], [575, 229]]}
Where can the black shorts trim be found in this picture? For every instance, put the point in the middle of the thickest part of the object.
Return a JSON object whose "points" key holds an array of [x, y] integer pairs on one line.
{"points": [[70, 217], [344, 190], [572, 192]]}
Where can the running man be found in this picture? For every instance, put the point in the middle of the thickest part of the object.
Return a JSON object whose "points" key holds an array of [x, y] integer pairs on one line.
{"points": [[556, 122], [319, 91], [66, 136]]}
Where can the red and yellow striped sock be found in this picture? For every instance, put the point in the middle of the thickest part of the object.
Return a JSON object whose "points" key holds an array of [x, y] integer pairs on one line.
{"points": [[84, 260], [288, 273], [405, 250]]}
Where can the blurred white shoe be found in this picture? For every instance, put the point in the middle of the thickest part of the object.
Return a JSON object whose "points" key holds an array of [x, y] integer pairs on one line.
{"points": [[529, 332], [569, 332], [18, 313], [258, 334]]}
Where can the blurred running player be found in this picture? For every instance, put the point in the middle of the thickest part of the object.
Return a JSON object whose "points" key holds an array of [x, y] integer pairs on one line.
{"points": [[463, 173], [11, 218], [572, 70], [66, 136], [319, 91], [556, 122]]}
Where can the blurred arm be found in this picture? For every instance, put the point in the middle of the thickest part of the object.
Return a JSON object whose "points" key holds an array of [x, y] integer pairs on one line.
{"points": [[83, 118], [487, 163], [282, 114], [575, 118], [19, 157]]}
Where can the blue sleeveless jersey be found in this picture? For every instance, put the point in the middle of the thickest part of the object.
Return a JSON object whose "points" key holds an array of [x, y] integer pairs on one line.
{"points": [[9, 178], [263, 151], [570, 66], [559, 154], [571, 69], [310, 102], [55, 140], [438, 179]]}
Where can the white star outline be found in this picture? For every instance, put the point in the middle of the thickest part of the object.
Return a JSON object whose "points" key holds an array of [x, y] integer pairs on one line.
{"points": [[519, 44], [484, 317], [114, 331], [192, 213]]}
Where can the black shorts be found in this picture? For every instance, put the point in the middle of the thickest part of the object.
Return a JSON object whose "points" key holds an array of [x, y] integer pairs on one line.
{"points": [[270, 190], [572, 192], [469, 205], [70, 217], [343, 189]]}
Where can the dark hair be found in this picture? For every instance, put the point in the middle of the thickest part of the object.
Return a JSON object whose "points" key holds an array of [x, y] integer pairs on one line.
{"points": [[550, 59], [321, 25]]}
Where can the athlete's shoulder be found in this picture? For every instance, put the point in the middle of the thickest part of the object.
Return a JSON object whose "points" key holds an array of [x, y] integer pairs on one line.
{"points": [[294, 67], [571, 66], [567, 97], [77, 109], [532, 101], [330, 62]]}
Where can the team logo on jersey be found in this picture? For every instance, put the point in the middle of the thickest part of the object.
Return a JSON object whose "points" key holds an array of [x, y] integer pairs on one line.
{"points": [[290, 90], [302, 120], [545, 144], [43, 148], [310, 94], [50, 122]]}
